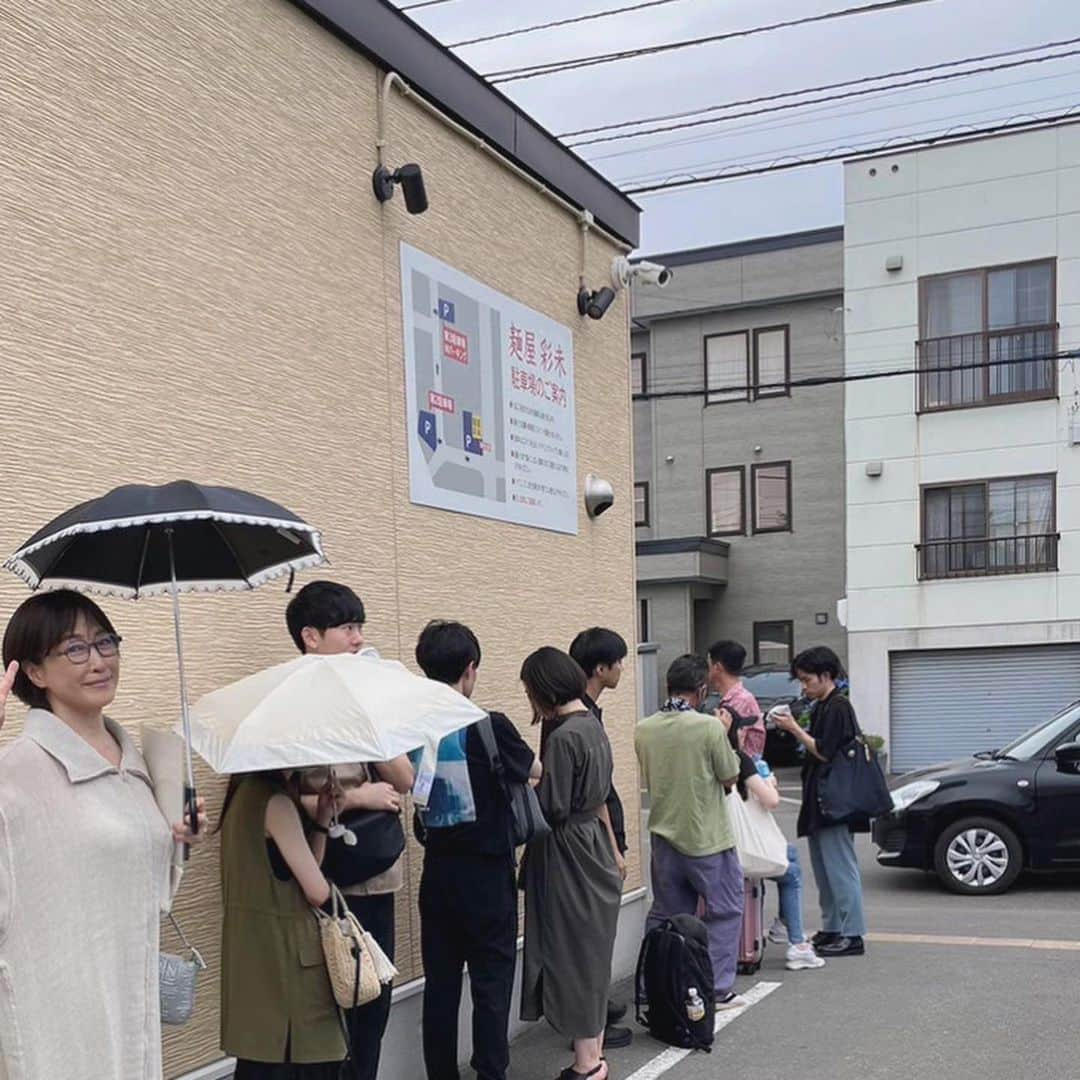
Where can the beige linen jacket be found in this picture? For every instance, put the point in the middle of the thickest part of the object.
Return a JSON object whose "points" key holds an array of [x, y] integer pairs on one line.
{"points": [[84, 872]]}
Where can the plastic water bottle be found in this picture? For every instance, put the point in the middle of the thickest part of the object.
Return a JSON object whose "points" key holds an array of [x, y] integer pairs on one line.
{"points": [[695, 1007]]}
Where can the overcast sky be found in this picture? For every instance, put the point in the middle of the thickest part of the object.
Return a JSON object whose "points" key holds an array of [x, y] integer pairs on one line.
{"points": [[782, 60]]}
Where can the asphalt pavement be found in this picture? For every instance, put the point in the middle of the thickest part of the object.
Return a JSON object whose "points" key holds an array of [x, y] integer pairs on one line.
{"points": [[955, 987]]}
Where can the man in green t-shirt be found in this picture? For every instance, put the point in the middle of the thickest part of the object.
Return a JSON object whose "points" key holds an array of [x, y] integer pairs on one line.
{"points": [[687, 764]]}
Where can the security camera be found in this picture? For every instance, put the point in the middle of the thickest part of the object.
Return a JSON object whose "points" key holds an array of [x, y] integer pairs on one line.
{"points": [[599, 496], [411, 180], [595, 303], [623, 272]]}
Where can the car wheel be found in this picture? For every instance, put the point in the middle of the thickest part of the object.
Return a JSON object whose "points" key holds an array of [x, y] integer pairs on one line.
{"points": [[978, 856]]}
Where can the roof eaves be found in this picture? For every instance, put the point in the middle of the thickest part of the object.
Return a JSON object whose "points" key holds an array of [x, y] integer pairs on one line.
{"points": [[392, 41]]}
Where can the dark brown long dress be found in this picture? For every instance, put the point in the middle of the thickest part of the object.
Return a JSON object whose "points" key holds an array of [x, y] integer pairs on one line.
{"points": [[572, 886]]}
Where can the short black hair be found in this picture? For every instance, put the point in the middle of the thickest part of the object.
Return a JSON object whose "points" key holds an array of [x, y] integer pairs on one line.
{"points": [[445, 650], [817, 660], [37, 627], [687, 674], [597, 646], [730, 655], [322, 604], [552, 678]]}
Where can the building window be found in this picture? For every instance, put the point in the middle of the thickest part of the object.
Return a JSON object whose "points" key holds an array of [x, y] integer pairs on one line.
{"points": [[772, 362], [989, 527], [988, 336], [727, 367], [774, 642], [639, 373], [643, 620], [772, 497], [724, 501], [641, 504]]}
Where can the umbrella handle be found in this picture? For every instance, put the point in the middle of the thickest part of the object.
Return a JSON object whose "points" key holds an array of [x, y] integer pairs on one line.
{"points": [[191, 804]]}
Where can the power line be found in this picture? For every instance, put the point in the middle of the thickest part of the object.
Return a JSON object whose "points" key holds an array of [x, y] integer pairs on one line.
{"points": [[893, 132], [424, 4], [820, 114], [818, 89], [924, 81], [533, 71], [832, 380], [840, 153], [562, 22]]}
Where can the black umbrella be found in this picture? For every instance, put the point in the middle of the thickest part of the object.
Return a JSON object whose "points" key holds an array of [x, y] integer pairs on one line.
{"points": [[140, 540]]}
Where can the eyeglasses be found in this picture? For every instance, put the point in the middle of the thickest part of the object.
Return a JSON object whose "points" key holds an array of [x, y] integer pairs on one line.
{"points": [[78, 652]]}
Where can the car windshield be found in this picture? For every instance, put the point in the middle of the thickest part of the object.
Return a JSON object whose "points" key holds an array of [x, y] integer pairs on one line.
{"points": [[768, 685], [1041, 736]]}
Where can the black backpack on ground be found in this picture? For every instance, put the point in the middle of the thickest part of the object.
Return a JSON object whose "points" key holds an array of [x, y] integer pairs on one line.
{"points": [[673, 962]]}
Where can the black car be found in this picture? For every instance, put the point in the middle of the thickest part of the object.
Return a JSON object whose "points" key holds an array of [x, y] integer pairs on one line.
{"points": [[979, 821]]}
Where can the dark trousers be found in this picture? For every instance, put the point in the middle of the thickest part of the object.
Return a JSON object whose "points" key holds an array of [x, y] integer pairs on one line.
{"points": [[468, 915], [367, 1023]]}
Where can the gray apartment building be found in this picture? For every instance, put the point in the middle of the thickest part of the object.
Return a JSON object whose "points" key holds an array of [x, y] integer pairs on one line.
{"points": [[739, 475]]}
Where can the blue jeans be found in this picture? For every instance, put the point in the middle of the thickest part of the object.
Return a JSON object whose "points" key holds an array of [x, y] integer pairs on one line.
{"points": [[836, 871], [789, 888]]}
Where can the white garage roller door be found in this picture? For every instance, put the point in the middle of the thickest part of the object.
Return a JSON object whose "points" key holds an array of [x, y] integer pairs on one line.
{"points": [[955, 702]]}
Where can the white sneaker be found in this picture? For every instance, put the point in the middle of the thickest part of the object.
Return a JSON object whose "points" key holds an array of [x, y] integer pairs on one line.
{"points": [[778, 933], [730, 1000], [802, 957]]}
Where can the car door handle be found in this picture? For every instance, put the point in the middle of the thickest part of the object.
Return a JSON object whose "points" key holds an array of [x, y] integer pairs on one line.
{"points": [[1023, 783]]}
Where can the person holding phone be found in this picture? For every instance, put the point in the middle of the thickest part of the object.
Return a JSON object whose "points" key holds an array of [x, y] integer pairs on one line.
{"points": [[832, 847]]}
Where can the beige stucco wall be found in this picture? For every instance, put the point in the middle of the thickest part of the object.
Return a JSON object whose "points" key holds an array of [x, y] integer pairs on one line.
{"points": [[197, 282]]}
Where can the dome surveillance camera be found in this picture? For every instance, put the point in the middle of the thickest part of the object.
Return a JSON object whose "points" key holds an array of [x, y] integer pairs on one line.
{"points": [[599, 495]]}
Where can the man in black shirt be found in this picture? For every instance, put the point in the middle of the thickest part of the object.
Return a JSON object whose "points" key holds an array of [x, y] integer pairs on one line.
{"points": [[468, 898], [600, 653]]}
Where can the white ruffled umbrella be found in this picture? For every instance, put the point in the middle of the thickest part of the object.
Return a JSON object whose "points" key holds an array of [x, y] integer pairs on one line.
{"points": [[328, 710]]}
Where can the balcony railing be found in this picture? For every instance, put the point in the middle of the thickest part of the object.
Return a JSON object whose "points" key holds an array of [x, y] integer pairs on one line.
{"points": [[989, 368], [981, 558]]}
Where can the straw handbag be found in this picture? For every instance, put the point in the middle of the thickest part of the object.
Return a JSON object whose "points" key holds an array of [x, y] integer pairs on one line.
{"points": [[357, 967]]}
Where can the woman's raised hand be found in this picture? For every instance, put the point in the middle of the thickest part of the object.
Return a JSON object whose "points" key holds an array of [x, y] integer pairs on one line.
{"points": [[6, 683]]}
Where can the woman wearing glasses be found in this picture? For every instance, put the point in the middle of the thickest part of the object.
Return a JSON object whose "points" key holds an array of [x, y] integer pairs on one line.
{"points": [[84, 858]]}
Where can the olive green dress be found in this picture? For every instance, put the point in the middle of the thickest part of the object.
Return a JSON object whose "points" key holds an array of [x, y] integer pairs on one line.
{"points": [[572, 886], [276, 1001]]}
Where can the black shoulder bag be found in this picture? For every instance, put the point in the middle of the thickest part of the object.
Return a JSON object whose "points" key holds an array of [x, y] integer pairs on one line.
{"points": [[527, 819], [851, 788]]}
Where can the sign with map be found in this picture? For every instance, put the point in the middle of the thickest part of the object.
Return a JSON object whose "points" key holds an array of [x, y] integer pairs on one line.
{"points": [[490, 396]]}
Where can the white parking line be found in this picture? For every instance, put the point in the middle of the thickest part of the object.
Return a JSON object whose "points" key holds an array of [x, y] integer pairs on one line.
{"points": [[673, 1055]]}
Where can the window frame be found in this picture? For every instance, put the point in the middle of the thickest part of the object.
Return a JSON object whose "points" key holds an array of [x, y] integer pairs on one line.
{"points": [[644, 485], [644, 613], [789, 623], [754, 470], [709, 473], [747, 344], [987, 333], [756, 367], [984, 482], [641, 358]]}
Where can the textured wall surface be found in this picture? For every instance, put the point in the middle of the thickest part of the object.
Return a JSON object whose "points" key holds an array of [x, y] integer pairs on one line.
{"points": [[197, 282]]}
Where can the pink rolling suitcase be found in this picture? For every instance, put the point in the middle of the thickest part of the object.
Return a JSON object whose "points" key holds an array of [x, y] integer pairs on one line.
{"points": [[752, 938]]}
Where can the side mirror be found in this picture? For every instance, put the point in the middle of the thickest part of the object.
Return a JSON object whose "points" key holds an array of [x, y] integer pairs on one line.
{"points": [[1068, 758]]}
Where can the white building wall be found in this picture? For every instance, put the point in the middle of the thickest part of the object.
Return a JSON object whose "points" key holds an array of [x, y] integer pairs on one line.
{"points": [[993, 201]]}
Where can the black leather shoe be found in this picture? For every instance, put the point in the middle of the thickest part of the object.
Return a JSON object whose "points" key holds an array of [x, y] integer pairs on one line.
{"points": [[615, 1013], [845, 946], [824, 937], [615, 1038]]}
